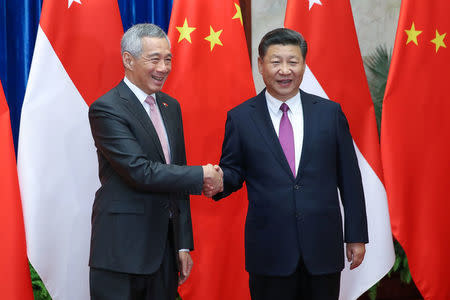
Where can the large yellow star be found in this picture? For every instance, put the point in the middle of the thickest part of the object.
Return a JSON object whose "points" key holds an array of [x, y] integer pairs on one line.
{"points": [[238, 14], [412, 34], [439, 40], [213, 37], [185, 32]]}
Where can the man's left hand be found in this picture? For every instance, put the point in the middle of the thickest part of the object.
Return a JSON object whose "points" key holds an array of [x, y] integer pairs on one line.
{"points": [[355, 254], [185, 263]]}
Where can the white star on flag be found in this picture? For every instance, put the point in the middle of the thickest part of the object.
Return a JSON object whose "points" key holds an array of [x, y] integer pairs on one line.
{"points": [[311, 3], [79, 2]]}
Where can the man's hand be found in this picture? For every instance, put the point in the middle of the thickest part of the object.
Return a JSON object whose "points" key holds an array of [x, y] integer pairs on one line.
{"points": [[355, 254], [212, 180], [185, 263]]}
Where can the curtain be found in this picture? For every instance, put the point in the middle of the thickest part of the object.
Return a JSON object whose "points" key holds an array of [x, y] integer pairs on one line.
{"points": [[19, 20]]}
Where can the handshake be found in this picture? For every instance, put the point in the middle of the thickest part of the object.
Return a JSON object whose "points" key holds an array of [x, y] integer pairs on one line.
{"points": [[212, 180]]}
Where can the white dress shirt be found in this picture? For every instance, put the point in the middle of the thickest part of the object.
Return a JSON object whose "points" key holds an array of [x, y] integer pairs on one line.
{"points": [[295, 115], [141, 95]]}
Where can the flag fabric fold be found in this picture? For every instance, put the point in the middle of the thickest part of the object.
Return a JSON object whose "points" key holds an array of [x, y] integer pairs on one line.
{"points": [[76, 59], [211, 74], [335, 71], [16, 282], [415, 135]]}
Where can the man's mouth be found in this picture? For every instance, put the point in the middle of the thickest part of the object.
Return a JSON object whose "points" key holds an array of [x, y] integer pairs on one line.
{"points": [[284, 81], [158, 78]]}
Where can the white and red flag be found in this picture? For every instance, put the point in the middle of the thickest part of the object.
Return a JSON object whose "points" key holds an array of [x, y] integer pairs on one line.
{"points": [[15, 283], [76, 59], [335, 71]]}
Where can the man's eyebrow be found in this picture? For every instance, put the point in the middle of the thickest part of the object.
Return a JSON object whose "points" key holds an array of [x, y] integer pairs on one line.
{"points": [[157, 54]]}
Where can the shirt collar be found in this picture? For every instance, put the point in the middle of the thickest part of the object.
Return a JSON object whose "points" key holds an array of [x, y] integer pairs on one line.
{"points": [[274, 104], [140, 94]]}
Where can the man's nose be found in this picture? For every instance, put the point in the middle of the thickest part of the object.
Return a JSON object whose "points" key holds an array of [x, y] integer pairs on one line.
{"points": [[162, 66], [284, 68]]}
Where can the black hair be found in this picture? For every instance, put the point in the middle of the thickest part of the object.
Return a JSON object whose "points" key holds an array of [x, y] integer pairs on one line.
{"points": [[282, 36]]}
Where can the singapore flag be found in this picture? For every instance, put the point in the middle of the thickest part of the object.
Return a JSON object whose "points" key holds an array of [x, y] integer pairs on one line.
{"points": [[76, 59]]}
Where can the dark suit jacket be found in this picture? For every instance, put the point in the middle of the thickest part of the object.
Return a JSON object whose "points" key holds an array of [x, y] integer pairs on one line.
{"points": [[131, 209], [291, 217]]}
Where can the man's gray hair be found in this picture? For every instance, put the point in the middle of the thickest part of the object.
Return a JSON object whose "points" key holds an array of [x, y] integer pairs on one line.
{"points": [[131, 40]]}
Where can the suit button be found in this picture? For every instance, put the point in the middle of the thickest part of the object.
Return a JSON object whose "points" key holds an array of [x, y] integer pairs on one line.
{"points": [[296, 187], [298, 216]]}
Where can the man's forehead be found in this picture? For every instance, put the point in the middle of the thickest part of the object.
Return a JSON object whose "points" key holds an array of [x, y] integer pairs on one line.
{"points": [[278, 46], [154, 41], [157, 47], [283, 50]]}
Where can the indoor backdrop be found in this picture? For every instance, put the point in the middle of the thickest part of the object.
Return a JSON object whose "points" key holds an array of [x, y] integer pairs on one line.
{"points": [[19, 21]]}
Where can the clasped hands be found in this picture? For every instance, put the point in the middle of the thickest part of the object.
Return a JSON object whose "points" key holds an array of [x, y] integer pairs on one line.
{"points": [[212, 180]]}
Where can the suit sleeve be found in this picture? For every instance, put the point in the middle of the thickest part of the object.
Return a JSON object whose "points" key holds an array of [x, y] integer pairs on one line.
{"points": [[117, 143], [185, 238], [350, 184], [231, 160]]}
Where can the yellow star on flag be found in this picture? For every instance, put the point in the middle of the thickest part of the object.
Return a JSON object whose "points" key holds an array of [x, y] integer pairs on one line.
{"points": [[238, 14], [439, 40], [185, 32], [213, 37], [412, 35]]}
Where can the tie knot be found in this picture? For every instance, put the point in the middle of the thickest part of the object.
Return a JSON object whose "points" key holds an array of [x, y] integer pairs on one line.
{"points": [[284, 107], [150, 101]]}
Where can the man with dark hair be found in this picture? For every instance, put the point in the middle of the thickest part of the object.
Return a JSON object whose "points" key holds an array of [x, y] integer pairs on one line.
{"points": [[141, 221], [294, 151]]}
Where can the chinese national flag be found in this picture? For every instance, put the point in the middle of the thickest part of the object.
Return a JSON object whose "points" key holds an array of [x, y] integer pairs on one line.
{"points": [[335, 71], [16, 282], [211, 73], [76, 59], [415, 140]]}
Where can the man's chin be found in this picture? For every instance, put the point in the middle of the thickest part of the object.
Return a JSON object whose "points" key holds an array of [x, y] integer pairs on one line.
{"points": [[156, 87]]}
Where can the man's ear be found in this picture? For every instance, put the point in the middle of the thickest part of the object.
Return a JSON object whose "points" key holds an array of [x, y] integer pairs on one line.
{"points": [[260, 63], [128, 61]]}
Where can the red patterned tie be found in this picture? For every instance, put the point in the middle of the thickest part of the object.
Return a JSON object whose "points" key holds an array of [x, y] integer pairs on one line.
{"points": [[155, 116]]}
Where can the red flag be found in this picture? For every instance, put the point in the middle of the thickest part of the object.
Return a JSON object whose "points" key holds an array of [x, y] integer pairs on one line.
{"points": [[211, 74], [76, 60], [335, 71], [16, 282], [415, 142]]}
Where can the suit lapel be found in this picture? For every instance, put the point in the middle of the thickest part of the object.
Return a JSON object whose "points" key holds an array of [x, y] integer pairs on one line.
{"points": [[140, 114], [308, 127], [264, 123]]}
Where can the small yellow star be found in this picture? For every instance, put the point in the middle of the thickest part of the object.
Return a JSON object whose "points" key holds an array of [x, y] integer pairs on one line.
{"points": [[238, 14], [213, 37], [439, 40], [185, 32], [412, 35]]}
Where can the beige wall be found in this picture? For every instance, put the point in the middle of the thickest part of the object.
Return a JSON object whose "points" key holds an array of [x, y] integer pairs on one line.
{"points": [[375, 21]]}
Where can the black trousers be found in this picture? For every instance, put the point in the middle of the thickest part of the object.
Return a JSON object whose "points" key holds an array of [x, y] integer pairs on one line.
{"points": [[300, 285], [161, 285]]}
